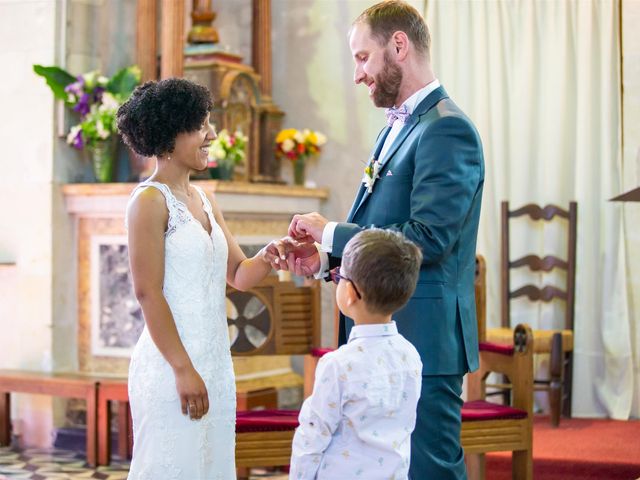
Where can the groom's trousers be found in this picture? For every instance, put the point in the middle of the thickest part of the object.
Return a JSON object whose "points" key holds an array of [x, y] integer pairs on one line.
{"points": [[436, 453]]}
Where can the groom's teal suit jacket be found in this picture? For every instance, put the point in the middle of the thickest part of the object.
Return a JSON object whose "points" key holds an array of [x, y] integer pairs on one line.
{"points": [[430, 189]]}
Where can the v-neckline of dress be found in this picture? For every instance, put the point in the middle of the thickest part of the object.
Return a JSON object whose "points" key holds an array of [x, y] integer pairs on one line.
{"points": [[191, 215]]}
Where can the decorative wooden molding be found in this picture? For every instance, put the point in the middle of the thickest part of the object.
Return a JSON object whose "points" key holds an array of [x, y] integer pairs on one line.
{"points": [[261, 49], [241, 188], [172, 42], [147, 39]]}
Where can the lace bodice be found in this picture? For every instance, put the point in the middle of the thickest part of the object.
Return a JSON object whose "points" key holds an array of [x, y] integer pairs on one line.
{"points": [[194, 286]]}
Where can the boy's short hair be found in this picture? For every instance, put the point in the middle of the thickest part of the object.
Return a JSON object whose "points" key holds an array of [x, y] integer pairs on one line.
{"points": [[384, 265]]}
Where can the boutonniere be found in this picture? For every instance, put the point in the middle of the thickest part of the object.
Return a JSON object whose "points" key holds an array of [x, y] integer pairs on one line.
{"points": [[371, 172]]}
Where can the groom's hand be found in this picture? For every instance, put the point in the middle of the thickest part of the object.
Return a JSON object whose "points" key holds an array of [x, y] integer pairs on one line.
{"points": [[304, 259], [307, 227]]}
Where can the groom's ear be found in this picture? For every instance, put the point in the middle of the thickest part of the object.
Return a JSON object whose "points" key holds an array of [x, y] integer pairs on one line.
{"points": [[400, 44]]}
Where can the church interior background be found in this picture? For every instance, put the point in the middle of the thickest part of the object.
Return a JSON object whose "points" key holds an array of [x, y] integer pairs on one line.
{"points": [[65, 297]]}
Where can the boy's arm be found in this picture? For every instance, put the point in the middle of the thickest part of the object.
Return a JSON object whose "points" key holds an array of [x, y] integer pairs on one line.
{"points": [[319, 419]]}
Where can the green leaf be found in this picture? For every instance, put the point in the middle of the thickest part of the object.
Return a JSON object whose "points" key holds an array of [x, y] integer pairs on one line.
{"points": [[56, 78], [124, 81]]}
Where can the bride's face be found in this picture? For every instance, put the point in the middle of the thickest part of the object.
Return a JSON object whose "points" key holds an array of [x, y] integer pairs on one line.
{"points": [[192, 148]]}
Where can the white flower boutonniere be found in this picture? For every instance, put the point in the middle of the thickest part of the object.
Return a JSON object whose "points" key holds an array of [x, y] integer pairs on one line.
{"points": [[371, 172]]}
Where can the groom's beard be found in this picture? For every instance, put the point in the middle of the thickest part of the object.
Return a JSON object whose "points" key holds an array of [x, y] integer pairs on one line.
{"points": [[387, 84]]}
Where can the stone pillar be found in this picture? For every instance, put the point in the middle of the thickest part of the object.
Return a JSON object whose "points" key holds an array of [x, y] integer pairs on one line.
{"points": [[147, 39], [172, 41], [261, 49]]}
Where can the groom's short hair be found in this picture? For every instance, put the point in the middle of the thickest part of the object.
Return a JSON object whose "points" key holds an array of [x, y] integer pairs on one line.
{"points": [[384, 265], [386, 18]]}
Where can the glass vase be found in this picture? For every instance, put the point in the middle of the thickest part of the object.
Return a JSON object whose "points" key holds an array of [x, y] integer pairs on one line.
{"points": [[222, 171], [299, 170], [103, 158]]}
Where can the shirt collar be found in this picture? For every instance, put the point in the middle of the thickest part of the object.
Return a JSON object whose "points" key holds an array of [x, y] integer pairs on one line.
{"points": [[373, 330], [420, 95]]}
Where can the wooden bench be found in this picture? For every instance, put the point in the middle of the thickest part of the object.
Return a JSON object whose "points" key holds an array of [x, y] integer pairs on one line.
{"points": [[114, 390], [69, 385]]}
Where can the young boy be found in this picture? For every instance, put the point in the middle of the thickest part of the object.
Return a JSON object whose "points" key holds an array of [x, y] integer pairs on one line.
{"points": [[357, 423]]}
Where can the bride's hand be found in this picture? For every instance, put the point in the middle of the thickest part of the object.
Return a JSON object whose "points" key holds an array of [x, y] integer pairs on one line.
{"points": [[193, 393], [277, 252]]}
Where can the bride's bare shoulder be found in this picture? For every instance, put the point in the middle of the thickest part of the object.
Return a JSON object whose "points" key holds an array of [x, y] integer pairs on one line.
{"points": [[147, 204]]}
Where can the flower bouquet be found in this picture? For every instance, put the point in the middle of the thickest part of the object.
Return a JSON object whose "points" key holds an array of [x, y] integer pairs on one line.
{"points": [[96, 99], [225, 152], [298, 146]]}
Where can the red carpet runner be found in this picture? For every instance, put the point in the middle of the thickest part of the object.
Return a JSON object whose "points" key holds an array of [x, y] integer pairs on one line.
{"points": [[580, 449]]}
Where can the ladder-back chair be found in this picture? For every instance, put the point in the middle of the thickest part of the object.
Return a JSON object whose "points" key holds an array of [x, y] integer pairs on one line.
{"points": [[558, 343]]}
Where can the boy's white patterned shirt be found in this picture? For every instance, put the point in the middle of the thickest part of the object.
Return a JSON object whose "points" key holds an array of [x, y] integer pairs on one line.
{"points": [[357, 423]]}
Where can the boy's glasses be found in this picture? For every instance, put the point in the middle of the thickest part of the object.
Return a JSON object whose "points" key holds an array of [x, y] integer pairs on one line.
{"points": [[336, 276]]}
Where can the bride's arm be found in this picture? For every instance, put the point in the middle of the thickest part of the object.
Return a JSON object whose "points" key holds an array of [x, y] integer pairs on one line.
{"points": [[242, 272], [147, 220]]}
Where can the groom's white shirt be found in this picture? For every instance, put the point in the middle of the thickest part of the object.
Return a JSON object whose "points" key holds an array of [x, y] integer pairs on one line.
{"points": [[327, 234]]}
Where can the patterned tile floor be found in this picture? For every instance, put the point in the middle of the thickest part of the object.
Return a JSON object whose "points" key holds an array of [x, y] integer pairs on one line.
{"points": [[56, 464]]}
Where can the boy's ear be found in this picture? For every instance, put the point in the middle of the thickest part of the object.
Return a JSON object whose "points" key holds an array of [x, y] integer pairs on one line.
{"points": [[352, 297]]}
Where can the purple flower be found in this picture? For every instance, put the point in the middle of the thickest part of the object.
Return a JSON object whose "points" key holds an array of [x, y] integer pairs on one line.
{"points": [[78, 141], [82, 107], [97, 94], [75, 88]]}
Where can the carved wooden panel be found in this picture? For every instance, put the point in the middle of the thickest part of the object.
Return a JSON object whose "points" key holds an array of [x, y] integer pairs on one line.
{"points": [[274, 318]]}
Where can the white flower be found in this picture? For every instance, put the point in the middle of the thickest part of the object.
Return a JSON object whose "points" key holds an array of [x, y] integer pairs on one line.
{"points": [[103, 133], [73, 133], [217, 152], [299, 137], [321, 139], [223, 136], [371, 174], [109, 101], [287, 145]]}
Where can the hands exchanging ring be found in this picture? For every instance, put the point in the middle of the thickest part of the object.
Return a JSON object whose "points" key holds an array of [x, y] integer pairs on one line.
{"points": [[297, 252]]}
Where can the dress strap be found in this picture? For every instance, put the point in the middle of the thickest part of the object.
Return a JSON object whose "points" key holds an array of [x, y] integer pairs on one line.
{"points": [[206, 204]]}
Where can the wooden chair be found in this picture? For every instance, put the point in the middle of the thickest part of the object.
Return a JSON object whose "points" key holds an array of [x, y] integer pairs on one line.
{"points": [[489, 427], [556, 343]]}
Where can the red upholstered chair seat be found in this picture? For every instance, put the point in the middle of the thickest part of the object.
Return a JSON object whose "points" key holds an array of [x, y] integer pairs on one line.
{"points": [[496, 348], [483, 410], [266, 421], [321, 351], [283, 420]]}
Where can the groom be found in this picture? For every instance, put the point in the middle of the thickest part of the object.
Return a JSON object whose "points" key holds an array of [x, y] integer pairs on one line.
{"points": [[425, 180]]}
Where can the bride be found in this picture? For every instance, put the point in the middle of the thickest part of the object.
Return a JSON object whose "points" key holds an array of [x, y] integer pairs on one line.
{"points": [[181, 253]]}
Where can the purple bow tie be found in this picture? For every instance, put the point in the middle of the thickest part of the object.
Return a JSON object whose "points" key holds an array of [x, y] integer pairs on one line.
{"points": [[394, 114]]}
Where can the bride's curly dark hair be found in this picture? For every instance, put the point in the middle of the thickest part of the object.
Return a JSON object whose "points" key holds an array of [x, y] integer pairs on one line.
{"points": [[157, 112]]}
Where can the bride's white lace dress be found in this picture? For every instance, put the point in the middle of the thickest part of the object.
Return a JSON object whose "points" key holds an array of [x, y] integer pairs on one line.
{"points": [[167, 444]]}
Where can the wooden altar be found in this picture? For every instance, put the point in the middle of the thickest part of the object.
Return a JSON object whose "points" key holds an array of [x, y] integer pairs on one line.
{"points": [[241, 93], [109, 319]]}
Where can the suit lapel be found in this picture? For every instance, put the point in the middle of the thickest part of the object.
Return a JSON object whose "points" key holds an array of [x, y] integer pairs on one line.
{"points": [[423, 107], [382, 136]]}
